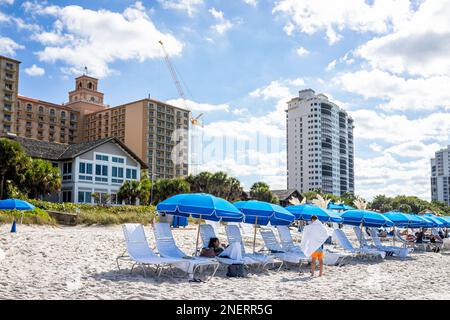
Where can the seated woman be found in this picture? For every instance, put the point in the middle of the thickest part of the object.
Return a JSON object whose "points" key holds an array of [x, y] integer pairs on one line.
{"points": [[215, 249], [419, 237]]}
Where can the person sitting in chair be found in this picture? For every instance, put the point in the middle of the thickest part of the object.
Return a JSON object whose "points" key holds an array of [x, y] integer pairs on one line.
{"points": [[216, 249]]}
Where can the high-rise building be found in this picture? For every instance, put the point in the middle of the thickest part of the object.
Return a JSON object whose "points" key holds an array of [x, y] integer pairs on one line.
{"points": [[157, 132], [319, 145], [9, 84], [440, 176]]}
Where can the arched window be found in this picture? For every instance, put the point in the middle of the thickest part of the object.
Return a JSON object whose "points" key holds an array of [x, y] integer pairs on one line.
{"points": [[80, 85], [90, 85], [41, 109], [29, 107], [52, 112], [63, 114], [92, 99]]}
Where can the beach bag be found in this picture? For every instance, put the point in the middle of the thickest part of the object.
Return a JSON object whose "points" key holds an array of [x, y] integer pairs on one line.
{"points": [[236, 271]]}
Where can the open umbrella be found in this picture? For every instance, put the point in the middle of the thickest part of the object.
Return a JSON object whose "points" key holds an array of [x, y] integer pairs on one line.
{"points": [[200, 206], [339, 207], [306, 211], [438, 220], [261, 213], [401, 219], [418, 221], [15, 204], [365, 218]]}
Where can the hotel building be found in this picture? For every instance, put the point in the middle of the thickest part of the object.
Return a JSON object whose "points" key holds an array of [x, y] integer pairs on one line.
{"points": [[319, 145], [440, 176], [150, 128]]}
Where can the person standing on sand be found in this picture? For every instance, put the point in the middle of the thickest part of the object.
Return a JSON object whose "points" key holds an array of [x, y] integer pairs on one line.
{"points": [[314, 236]]}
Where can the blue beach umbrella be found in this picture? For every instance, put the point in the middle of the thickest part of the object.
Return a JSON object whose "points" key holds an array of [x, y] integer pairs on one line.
{"points": [[261, 213], [339, 207], [419, 221], [436, 221], [200, 206], [15, 204], [306, 211], [401, 220], [365, 218]]}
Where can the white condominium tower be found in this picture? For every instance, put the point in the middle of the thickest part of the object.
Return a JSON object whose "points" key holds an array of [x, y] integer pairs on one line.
{"points": [[440, 176], [319, 145]]}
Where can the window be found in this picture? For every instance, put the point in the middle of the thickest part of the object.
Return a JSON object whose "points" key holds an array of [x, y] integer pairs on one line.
{"points": [[67, 171], [101, 173], [117, 173], [118, 160], [85, 170], [132, 174], [67, 196], [52, 112], [84, 197], [101, 157]]}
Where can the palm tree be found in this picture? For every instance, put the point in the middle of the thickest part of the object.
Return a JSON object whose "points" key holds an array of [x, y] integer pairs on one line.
{"points": [[41, 179], [165, 188], [13, 161], [129, 192], [261, 191]]}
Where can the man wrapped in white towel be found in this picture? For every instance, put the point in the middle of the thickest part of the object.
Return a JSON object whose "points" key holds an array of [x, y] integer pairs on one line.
{"points": [[314, 236]]}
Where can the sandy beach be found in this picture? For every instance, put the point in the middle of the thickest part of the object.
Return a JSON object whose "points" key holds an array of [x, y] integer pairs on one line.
{"points": [[79, 263]]}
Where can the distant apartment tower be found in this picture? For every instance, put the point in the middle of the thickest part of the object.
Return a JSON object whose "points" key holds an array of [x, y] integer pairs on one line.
{"points": [[9, 84], [148, 127], [440, 176], [319, 145]]}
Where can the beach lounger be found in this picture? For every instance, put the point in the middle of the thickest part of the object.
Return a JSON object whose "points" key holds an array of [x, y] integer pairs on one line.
{"points": [[411, 244], [167, 248], [343, 241], [396, 251], [364, 244], [140, 253], [331, 258], [207, 232], [274, 247], [234, 235]]}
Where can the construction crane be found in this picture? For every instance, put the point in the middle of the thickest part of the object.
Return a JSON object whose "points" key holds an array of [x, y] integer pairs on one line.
{"points": [[194, 120]]}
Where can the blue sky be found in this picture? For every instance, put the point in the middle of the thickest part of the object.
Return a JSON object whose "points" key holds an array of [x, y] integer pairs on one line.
{"points": [[385, 61]]}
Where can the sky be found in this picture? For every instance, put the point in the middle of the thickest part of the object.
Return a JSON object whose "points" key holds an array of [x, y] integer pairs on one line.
{"points": [[387, 62]]}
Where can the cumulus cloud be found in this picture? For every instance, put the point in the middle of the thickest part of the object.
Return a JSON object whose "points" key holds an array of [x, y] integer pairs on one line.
{"points": [[222, 25], [278, 89], [420, 47], [397, 92], [332, 17], [302, 52], [189, 6], [9, 47], [35, 71], [199, 107], [82, 37], [252, 3]]}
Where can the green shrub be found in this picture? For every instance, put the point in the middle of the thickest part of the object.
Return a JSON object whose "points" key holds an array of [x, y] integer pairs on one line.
{"points": [[36, 216]]}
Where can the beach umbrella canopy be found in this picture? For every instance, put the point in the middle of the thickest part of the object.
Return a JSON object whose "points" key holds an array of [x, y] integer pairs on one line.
{"points": [[200, 206], [261, 213], [338, 207], [401, 220], [419, 221], [437, 223], [365, 218], [15, 204], [306, 211]]}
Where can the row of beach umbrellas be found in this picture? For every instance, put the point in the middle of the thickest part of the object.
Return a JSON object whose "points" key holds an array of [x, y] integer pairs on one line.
{"points": [[209, 207]]}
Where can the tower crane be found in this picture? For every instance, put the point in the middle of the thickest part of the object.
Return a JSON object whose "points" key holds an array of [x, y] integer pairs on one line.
{"points": [[194, 120]]}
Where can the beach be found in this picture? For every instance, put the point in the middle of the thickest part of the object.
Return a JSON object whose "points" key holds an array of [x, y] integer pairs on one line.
{"points": [[80, 263]]}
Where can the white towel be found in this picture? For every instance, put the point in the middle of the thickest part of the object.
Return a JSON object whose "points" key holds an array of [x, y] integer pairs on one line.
{"points": [[233, 251], [314, 235]]}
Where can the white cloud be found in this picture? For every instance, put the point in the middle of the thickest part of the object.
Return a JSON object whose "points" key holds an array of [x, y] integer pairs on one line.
{"points": [[222, 25], [278, 89], [420, 47], [302, 52], [398, 129], [199, 107], [82, 37], [331, 65], [7, 2], [252, 3], [189, 6], [331, 17], [35, 71], [398, 92], [9, 47]]}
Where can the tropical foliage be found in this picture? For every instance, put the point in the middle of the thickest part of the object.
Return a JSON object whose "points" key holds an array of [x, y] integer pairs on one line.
{"points": [[261, 191], [218, 184]]}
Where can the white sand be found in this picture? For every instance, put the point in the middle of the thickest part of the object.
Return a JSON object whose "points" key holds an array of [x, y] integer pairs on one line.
{"points": [[79, 263]]}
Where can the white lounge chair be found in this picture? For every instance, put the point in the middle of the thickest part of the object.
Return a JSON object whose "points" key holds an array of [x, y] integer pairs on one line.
{"points": [[331, 258], [343, 241], [206, 233], [234, 235], [411, 244], [274, 247], [140, 252], [364, 244], [396, 251], [167, 248]]}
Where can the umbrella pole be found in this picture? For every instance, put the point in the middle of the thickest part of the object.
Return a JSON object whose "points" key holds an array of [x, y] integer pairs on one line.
{"points": [[393, 236], [361, 236], [254, 235], [198, 235]]}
